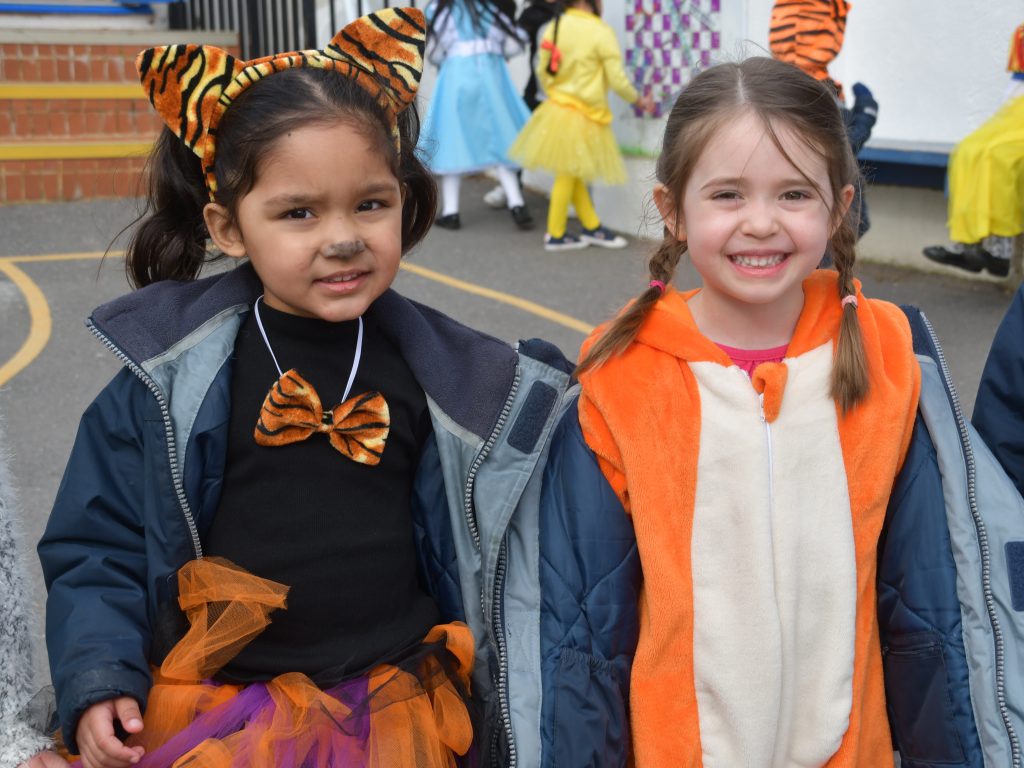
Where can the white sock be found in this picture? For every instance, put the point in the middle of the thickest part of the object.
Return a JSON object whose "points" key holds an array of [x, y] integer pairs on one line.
{"points": [[450, 184], [510, 184]]}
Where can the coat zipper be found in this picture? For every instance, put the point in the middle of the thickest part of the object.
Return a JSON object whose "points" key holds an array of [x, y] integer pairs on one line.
{"points": [[983, 544], [172, 451], [496, 618]]}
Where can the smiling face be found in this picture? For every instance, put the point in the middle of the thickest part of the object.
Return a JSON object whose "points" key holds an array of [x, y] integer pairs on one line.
{"points": [[322, 225], [755, 226]]}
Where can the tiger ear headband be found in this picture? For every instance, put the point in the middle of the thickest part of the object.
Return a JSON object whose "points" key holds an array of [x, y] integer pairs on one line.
{"points": [[191, 86]]}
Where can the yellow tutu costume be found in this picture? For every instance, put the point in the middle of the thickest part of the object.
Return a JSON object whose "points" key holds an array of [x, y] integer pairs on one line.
{"points": [[570, 133], [986, 178], [986, 169]]}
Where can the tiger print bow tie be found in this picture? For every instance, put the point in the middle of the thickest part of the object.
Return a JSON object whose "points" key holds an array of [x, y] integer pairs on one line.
{"points": [[292, 412]]}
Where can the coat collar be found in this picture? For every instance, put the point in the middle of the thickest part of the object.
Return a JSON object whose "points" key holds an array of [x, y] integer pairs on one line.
{"points": [[466, 372]]}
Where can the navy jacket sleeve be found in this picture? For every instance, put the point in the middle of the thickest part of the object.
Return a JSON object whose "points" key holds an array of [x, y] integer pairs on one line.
{"points": [[94, 559], [590, 581], [999, 406]]}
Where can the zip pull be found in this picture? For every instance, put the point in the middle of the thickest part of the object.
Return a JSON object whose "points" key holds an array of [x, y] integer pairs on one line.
{"points": [[760, 404]]}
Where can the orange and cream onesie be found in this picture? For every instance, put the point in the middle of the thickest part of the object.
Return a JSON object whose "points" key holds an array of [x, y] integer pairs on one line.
{"points": [[757, 507]]}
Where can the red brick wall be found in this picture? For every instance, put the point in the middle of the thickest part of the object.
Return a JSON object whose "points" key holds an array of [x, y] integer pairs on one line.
{"points": [[21, 63], [72, 120]]}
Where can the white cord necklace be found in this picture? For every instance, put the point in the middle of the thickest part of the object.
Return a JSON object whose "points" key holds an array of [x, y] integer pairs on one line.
{"points": [[355, 360]]}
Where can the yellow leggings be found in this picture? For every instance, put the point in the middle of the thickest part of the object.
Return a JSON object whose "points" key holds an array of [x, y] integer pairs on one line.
{"points": [[568, 189]]}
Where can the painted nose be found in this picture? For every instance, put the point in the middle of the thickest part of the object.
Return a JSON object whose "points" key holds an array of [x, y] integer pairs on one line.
{"points": [[343, 249]]}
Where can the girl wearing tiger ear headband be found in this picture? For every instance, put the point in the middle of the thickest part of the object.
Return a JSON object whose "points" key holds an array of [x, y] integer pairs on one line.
{"points": [[252, 542]]}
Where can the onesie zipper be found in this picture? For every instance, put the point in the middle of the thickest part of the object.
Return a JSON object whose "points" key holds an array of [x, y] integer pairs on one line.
{"points": [[983, 544], [172, 451], [768, 443]]}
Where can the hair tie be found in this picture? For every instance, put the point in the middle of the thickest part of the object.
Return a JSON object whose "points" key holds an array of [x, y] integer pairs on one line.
{"points": [[657, 284], [848, 300]]}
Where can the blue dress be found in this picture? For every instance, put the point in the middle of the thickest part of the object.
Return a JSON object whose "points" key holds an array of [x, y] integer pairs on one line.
{"points": [[475, 112]]}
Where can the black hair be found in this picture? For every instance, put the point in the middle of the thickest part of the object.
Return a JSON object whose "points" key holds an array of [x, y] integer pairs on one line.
{"points": [[169, 241], [560, 8], [481, 12]]}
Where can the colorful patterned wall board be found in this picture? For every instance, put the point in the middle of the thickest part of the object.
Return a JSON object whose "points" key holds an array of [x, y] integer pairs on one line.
{"points": [[669, 41]]}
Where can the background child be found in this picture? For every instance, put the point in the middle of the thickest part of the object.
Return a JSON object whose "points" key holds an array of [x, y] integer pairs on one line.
{"points": [[986, 183], [569, 134], [758, 626], [475, 111]]}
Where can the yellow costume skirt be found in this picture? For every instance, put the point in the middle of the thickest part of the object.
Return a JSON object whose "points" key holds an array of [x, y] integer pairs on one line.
{"points": [[986, 178], [562, 140], [412, 713]]}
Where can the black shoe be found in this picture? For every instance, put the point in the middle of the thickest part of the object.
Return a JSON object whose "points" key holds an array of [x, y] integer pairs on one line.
{"points": [[521, 216], [451, 221], [995, 265], [973, 258], [967, 259]]}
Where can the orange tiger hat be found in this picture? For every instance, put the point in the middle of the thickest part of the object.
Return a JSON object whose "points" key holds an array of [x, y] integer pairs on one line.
{"points": [[808, 34], [191, 86]]}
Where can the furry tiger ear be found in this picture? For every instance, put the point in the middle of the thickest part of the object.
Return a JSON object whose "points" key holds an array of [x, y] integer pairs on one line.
{"points": [[192, 85], [184, 84], [388, 44]]}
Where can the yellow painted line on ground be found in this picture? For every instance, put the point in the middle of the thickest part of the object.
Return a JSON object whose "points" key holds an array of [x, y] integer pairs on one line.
{"points": [[40, 325], [71, 91], [83, 150], [60, 257], [505, 298]]}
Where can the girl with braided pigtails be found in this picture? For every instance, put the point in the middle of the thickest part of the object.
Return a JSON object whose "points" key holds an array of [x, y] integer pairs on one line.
{"points": [[753, 429]]}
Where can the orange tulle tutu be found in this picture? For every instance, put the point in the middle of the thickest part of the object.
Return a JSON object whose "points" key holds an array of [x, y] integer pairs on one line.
{"points": [[411, 713]]}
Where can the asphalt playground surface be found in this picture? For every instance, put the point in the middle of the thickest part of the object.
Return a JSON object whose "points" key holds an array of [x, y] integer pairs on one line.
{"points": [[488, 275]]}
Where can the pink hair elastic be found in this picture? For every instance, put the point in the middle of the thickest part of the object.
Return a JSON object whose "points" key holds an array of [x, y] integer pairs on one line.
{"points": [[657, 284], [848, 300]]}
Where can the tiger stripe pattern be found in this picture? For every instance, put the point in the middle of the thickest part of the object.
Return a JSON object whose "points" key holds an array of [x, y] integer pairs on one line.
{"points": [[808, 33], [292, 411], [191, 86]]}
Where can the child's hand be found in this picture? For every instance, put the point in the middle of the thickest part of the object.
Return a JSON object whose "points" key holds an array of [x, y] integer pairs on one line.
{"points": [[45, 760], [97, 743], [646, 104]]}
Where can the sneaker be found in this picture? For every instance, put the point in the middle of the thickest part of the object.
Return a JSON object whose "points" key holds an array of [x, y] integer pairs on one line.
{"points": [[603, 237], [451, 221], [521, 216], [496, 198], [566, 242]]}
